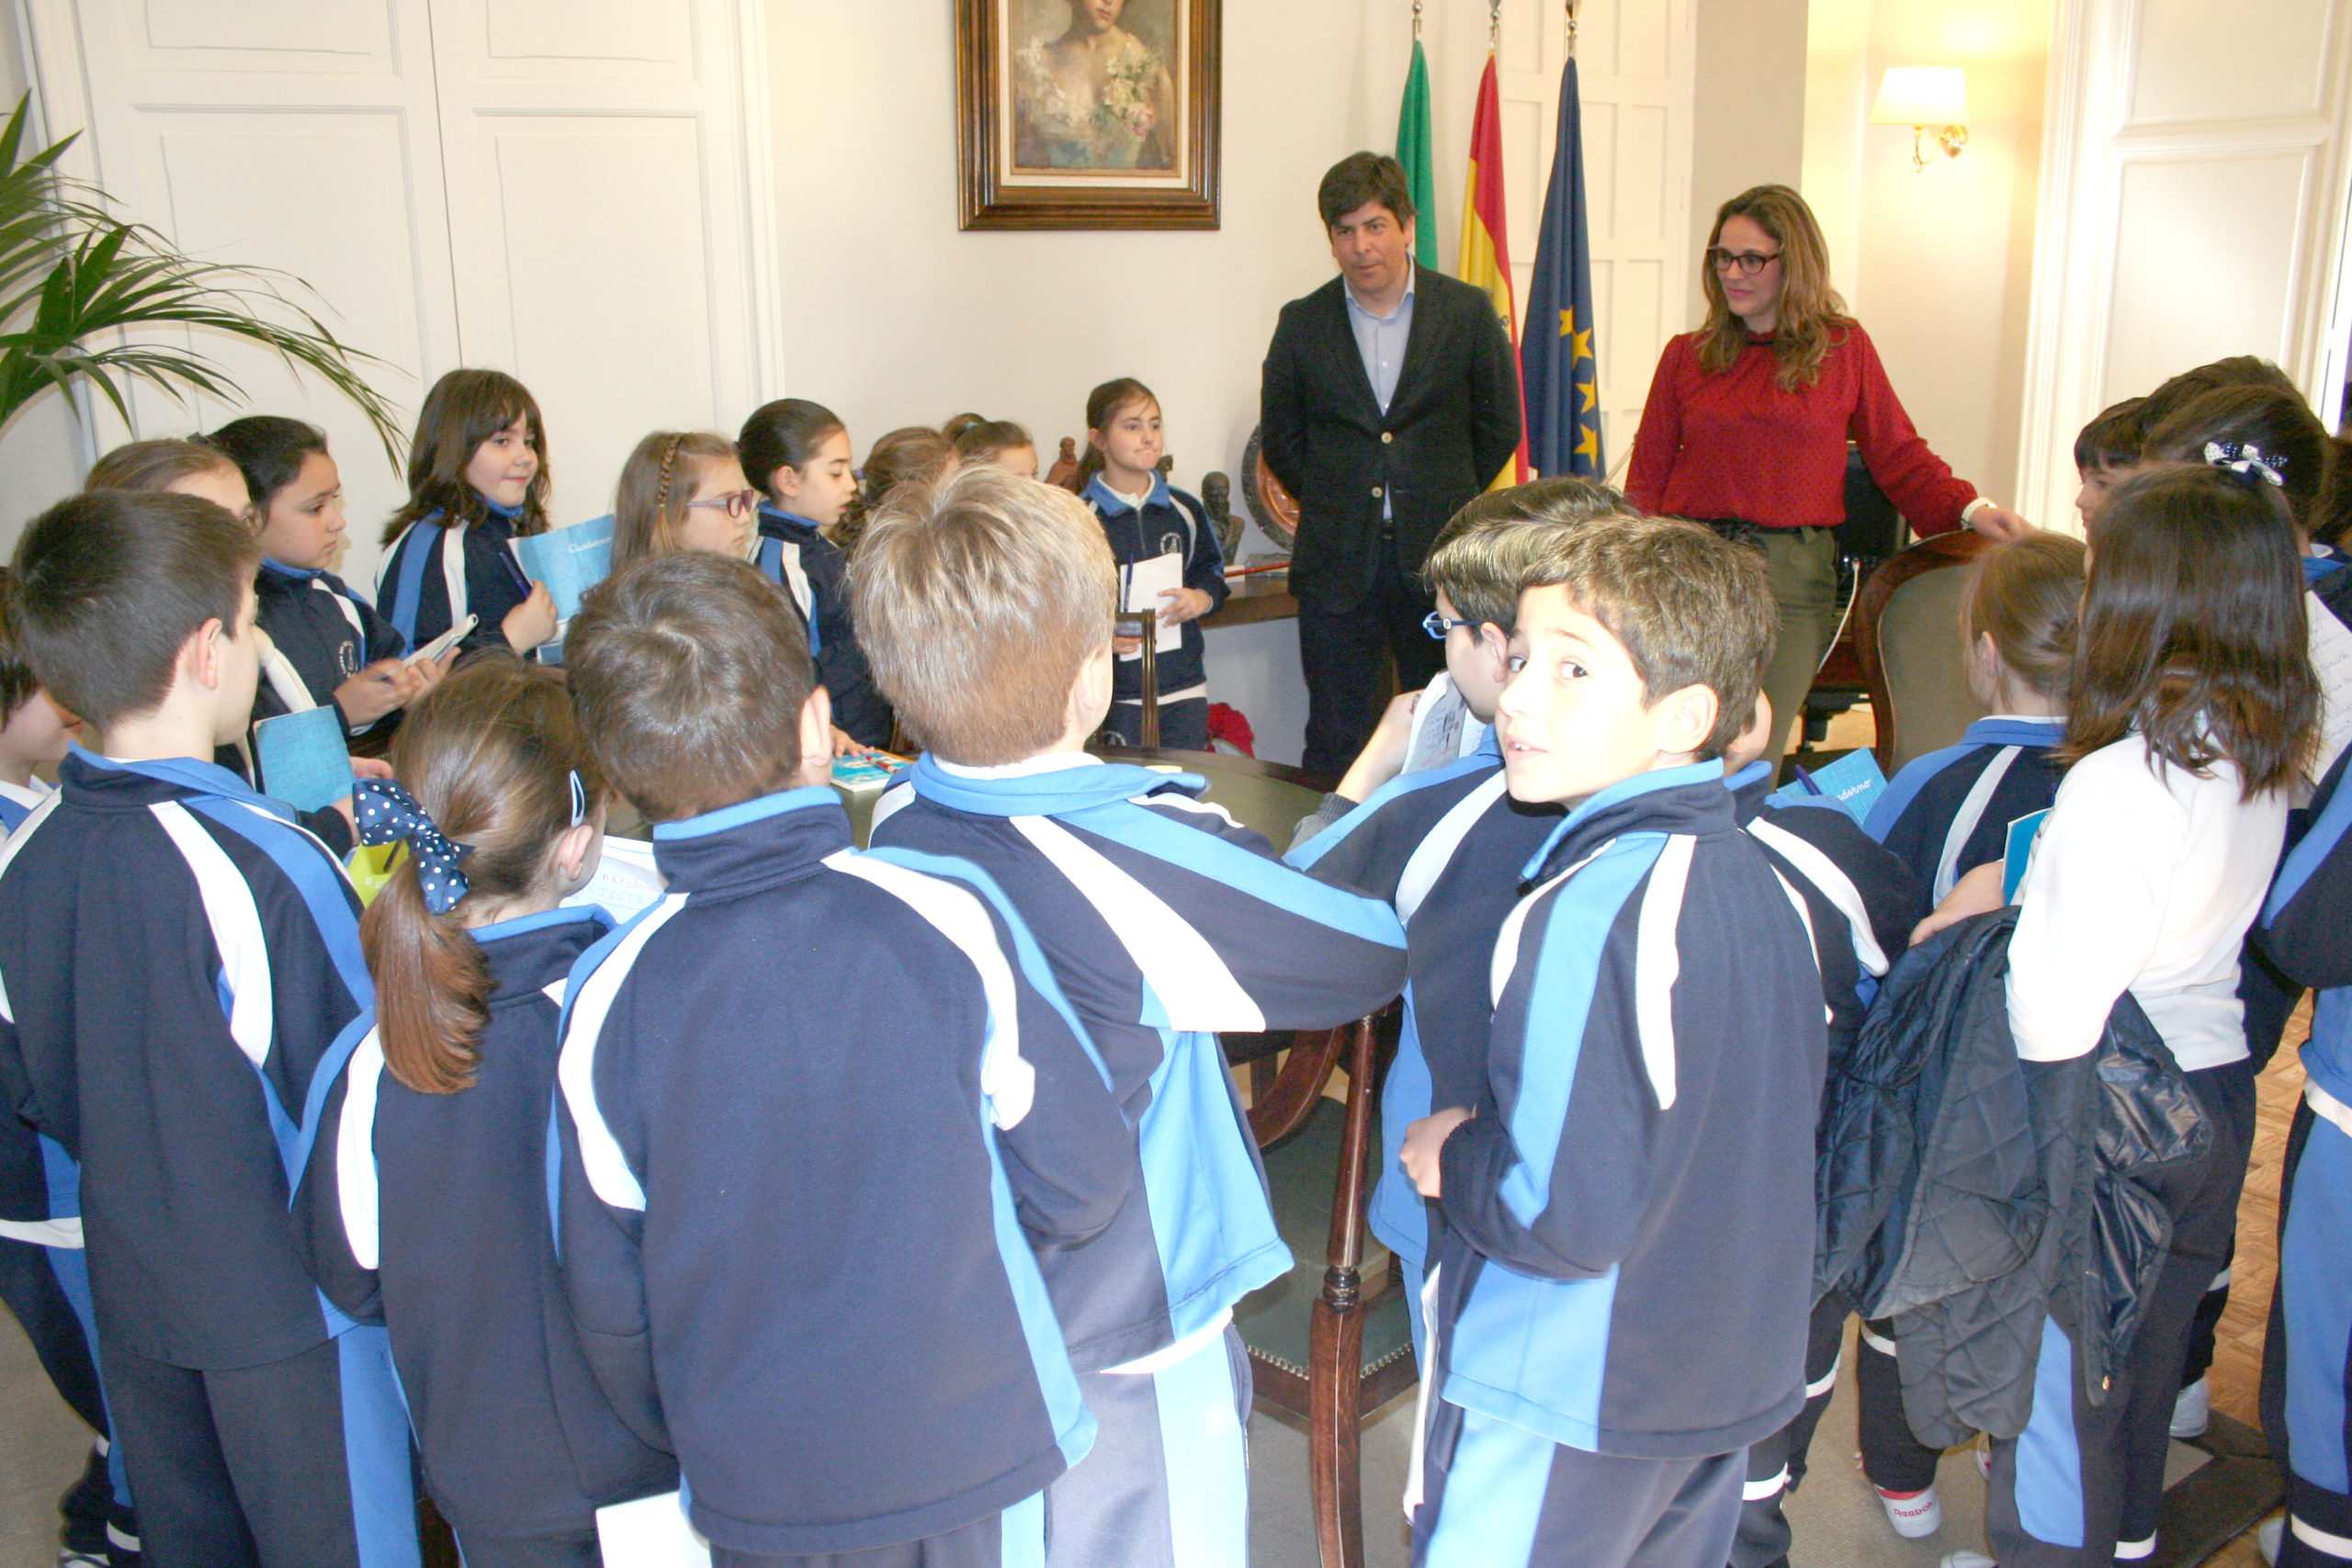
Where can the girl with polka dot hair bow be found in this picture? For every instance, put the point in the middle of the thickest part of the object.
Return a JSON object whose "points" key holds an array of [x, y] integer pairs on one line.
{"points": [[441, 1155]]}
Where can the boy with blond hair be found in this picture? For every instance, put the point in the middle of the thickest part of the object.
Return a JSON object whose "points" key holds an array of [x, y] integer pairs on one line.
{"points": [[1644, 1138], [987, 605]]}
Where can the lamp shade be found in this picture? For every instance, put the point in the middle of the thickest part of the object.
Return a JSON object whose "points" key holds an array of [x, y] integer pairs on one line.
{"points": [[1921, 95]]}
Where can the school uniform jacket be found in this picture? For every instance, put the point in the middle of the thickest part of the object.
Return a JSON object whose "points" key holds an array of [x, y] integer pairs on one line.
{"points": [[1861, 901], [1627, 1258], [814, 1110], [43, 1277], [812, 568], [1164, 922], [426, 585], [2302, 928], [182, 978], [445, 1196], [1168, 523], [1443, 848], [326, 633], [1949, 812]]}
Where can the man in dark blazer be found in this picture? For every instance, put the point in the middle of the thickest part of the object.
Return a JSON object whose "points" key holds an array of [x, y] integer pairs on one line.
{"points": [[1390, 398]]}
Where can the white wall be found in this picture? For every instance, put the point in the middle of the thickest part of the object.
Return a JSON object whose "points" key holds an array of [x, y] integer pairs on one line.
{"points": [[894, 317], [1936, 263], [1749, 125], [1944, 274]]}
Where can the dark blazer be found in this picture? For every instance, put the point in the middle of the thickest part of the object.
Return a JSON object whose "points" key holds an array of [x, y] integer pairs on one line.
{"points": [[1451, 426]]}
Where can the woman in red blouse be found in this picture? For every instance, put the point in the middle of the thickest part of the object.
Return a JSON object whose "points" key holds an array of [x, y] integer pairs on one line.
{"points": [[1748, 420]]}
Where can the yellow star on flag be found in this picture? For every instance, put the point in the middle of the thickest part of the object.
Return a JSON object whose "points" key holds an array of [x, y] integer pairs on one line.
{"points": [[1580, 345], [1567, 324]]}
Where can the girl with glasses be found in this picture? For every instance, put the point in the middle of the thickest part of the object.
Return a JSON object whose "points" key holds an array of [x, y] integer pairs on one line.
{"points": [[1748, 420], [683, 490]]}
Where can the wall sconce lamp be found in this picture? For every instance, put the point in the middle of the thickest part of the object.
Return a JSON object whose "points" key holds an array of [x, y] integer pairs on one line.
{"points": [[1925, 96]]}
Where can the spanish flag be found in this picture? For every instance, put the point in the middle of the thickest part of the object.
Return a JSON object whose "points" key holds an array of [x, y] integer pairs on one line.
{"points": [[1485, 262]]}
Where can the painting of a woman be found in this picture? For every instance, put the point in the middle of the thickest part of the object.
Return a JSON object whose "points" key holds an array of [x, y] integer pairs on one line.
{"points": [[1097, 97]]}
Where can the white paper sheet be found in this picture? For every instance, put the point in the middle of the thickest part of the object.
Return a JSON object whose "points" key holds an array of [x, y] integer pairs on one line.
{"points": [[625, 882], [1146, 580], [652, 1533]]}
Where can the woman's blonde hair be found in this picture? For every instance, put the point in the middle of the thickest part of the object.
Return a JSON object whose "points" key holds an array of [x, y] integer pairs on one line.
{"points": [[1810, 318], [659, 478]]}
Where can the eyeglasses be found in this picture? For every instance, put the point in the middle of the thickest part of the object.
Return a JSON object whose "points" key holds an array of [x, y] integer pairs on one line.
{"points": [[1748, 264], [735, 503], [1437, 625]]}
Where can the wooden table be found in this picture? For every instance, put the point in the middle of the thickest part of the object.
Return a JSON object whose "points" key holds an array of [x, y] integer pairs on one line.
{"points": [[1272, 797], [1265, 597]]}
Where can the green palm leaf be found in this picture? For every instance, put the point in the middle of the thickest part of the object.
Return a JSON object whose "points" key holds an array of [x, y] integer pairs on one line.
{"points": [[83, 294]]}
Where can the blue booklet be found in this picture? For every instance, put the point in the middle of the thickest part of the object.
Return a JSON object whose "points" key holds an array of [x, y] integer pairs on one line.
{"points": [[1853, 781], [569, 560], [302, 758], [2021, 852]]}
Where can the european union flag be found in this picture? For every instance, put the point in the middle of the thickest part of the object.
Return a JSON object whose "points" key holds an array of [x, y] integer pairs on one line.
{"points": [[1555, 353]]}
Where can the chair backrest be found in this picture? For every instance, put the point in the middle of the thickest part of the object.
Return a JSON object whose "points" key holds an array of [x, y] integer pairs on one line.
{"points": [[1872, 528], [1908, 628]]}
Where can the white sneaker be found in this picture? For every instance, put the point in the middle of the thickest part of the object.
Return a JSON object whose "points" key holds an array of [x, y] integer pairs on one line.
{"points": [[2193, 1411], [1913, 1513], [1968, 1560], [2270, 1536]]}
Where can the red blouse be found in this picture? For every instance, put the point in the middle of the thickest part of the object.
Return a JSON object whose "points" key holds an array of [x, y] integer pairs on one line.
{"points": [[1735, 446]]}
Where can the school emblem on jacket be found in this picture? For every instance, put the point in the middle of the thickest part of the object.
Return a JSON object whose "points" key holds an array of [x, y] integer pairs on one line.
{"points": [[1172, 543]]}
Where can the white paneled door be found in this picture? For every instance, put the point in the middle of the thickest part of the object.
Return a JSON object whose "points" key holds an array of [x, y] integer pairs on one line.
{"points": [[2194, 201], [572, 190], [1634, 65]]}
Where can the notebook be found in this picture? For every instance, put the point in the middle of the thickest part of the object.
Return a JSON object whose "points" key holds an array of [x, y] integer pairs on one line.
{"points": [[302, 758]]}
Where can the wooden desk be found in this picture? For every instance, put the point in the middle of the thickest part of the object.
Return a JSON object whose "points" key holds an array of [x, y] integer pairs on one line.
{"points": [[1265, 597], [1272, 797]]}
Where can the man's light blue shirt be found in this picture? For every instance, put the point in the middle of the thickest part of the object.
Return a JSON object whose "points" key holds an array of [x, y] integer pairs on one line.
{"points": [[1380, 341]]}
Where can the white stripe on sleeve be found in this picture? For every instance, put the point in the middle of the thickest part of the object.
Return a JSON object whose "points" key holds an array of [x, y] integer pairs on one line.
{"points": [[609, 1176], [236, 928], [355, 1152], [1007, 1078], [1178, 963]]}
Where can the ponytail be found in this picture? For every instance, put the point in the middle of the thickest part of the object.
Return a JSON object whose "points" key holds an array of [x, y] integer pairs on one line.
{"points": [[490, 757]]}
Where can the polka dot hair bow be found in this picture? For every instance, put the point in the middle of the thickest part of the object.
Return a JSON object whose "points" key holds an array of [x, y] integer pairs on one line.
{"points": [[387, 812], [2244, 459]]}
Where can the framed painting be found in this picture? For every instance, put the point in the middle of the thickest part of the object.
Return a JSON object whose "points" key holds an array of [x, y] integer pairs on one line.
{"points": [[1086, 114]]}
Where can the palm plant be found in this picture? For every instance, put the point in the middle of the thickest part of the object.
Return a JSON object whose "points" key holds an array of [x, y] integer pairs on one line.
{"points": [[82, 292]]}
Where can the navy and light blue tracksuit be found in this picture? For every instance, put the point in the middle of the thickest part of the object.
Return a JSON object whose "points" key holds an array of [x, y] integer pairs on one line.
{"points": [[1165, 923], [1949, 812], [327, 632], [2306, 928], [816, 1108], [1168, 523], [1653, 1076], [445, 1196], [1860, 903], [794, 555], [45, 1282], [425, 588], [1443, 847], [183, 979]]}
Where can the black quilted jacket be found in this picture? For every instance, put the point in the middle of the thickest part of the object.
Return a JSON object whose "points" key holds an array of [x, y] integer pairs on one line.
{"points": [[1968, 1195]]}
